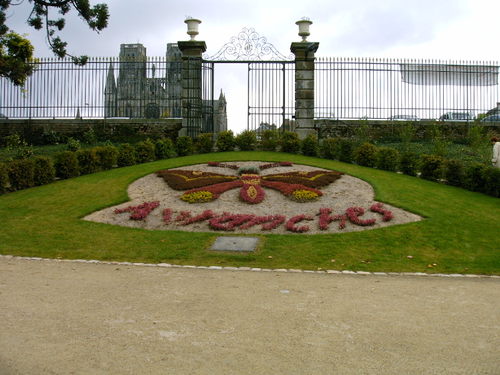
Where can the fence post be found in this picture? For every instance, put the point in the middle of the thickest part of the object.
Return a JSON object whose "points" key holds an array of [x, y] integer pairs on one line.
{"points": [[192, 114], [304, 87]]}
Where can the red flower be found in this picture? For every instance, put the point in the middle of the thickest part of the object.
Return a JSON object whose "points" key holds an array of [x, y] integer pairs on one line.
{"points": [[353, 214], [291, 224], [378, 207], [139, 212]]}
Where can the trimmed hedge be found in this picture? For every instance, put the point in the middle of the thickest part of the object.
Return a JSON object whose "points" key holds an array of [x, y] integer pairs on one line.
{"points": [[45, 172], [366, 155], [330, 148], [431, 167], [387, 159], [87, 161], [107, 156], [126, 155], [290, 142], [454, 172], [225, 141], [145, 151], [66, 164], [184, 146], [204, 143], [309, 145], [164, 148], [4, 178], [409, 163], [246, 140], [346, 150], [269, 140], [21, 174]]}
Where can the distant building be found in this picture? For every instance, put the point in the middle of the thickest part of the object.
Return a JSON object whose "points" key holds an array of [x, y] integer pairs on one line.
{"points": [[137, 93]]}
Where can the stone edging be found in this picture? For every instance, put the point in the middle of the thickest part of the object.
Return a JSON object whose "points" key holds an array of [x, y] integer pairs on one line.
{"points": [[329, 272]]}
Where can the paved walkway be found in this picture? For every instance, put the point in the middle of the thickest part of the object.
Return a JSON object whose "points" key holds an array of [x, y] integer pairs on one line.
{"points": [[76, 318]]}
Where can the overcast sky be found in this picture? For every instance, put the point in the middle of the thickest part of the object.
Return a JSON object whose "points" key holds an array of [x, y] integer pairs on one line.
{"points": [[438, 29]]}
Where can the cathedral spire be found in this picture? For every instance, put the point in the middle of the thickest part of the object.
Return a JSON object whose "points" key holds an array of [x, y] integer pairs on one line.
{"points": [[110, 87]]}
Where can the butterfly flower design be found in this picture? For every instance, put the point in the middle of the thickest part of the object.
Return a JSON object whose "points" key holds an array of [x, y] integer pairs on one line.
{"points": [[206, 186]]}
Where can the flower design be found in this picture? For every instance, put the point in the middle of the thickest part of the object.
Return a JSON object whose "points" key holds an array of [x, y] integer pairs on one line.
{"points": [[206, 186]]}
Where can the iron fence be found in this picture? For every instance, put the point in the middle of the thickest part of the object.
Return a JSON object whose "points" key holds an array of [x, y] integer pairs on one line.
{"points": [[402, 89]]}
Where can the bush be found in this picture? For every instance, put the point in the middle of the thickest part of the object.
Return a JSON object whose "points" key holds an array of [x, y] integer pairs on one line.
{"points": [[290, 142], [204, 143], [474, 177], [73, 144], [269, 140], [44, 170], [51, 138], [246, 140], [164, 148], [330, 148], [21, 174], [126, 155], [87, 161], [89, 136], [107, 157], [388, 159], [406, 134], [4, 178], [431, 167], [66, 164], [491, 178], [145, 151], [225, 141], [346, 150], [409, 163], [454, 172], [184, 146], [309, 145], [366, 155]]}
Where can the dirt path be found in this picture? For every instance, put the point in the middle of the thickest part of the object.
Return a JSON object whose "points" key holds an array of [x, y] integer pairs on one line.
{"points": [[75, 318]]}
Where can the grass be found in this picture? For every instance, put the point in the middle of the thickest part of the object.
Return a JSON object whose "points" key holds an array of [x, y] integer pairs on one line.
{"points": [[459, 234]]}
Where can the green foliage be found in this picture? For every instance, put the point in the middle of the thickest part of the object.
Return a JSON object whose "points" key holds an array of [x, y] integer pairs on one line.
{"points": [[51, 138], [184, 146], [439, 142], [16, 54], [491, 179], [454, 172], [409, 163], [4, 178], [246, 140], [309, 145], [89, 136], [346, 150], [44, 170], [126, 155], [387, 159], [145, 151], [164, 149], [269, 140], [290, 142], [330, 148], [73, 144], [87, 160], [107, 156], [474, 178], [362, 132], [366, 155], [431, 167], [18, 147], [66, 164], [21, 174], [406, 133], [225, 141], [477, 138], [204, 143]]}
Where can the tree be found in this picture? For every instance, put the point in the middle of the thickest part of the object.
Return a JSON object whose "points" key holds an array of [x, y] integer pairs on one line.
{"points": [[16, 52]]}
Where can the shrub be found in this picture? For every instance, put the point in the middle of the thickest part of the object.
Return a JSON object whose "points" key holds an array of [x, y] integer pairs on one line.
{"points": [[406, 134], [145, 151], [73, 144], [366, 155], [269, 140], [388, 159], [107, 157], [89, 136], [164, 148], [246, 140], [431, 167], [454, 172], [474, 177], [87, 161], [126, 155], [309, 145], [51, 138], [363, 132], [204, 143], [184, 146], [4, 178], [409, 163], [491, 178], [21, 174], [330, 148], [346, 150], [290, 142], [19, 146], [44, 170], [225, 141], [66, 164]]}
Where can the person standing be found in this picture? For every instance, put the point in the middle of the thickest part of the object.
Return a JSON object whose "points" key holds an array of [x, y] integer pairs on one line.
{"points": [[496, 152]]}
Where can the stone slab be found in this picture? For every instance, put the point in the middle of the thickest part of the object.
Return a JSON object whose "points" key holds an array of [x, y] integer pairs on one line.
{"points": [[226, 243]]}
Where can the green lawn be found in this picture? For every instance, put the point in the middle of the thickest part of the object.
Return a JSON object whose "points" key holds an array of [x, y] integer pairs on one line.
{"points": [[460, 233]]}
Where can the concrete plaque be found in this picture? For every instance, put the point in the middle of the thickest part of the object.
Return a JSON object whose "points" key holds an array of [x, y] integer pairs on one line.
{"points": [[246, 244]]}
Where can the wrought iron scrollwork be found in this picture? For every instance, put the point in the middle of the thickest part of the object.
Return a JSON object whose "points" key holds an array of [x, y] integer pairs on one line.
{"points": [[248, 45]]}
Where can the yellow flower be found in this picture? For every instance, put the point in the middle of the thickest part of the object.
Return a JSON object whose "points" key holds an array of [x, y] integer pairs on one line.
{"points": [[198, 197], [304, 195]]}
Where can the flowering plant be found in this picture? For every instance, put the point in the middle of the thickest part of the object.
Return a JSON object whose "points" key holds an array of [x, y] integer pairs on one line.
{"points": [[139, 212]]}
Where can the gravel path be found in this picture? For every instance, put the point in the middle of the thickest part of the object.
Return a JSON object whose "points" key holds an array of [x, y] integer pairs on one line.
{"points": [[76, 318]]}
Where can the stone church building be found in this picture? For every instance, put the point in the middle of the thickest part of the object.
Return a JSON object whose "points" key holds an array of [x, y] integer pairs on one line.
{"points": [[140, 92]]}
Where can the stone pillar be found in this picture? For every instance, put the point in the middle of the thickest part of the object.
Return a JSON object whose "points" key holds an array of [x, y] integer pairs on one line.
{"points": [[192, 103], [304, 87]]}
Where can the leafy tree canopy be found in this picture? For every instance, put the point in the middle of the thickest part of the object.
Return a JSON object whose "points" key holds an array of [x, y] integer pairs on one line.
{"points": [[16, 51]]}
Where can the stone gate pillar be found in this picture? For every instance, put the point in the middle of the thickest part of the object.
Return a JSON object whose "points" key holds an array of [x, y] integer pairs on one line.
{"points": [[304, 87], [192, 103]]}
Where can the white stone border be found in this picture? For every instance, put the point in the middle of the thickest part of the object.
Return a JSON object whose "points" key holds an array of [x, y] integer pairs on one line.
{"points": [[251, 269]]}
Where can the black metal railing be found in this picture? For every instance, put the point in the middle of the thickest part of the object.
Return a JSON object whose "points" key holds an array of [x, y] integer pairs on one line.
{"points": [[402, 89]]}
